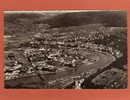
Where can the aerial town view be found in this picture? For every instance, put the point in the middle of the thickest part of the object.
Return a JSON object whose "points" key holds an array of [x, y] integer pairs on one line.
{"points": [[65, 49]]}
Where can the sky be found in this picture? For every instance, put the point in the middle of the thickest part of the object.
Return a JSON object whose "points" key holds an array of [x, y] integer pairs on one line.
{"points": [[55, 11]]}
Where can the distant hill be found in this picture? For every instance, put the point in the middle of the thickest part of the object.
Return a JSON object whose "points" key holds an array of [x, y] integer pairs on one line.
{"points": [[16, 23], [107, 18], [16, 17]]}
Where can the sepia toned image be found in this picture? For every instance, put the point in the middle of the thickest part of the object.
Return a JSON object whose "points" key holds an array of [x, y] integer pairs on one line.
{"points": [[65, 49]]}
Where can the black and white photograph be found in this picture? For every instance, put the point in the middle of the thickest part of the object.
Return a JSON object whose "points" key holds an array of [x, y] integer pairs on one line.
{"points": [[65, 49]]}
